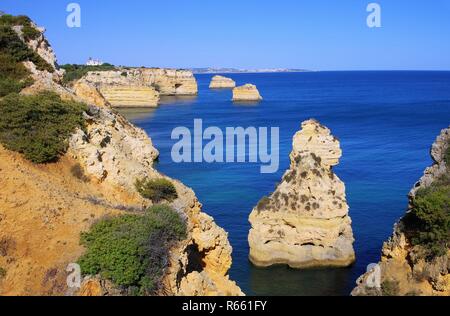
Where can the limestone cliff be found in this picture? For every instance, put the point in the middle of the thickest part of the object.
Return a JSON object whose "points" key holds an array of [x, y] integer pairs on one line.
{"points": [[44, 208], [305, 222], [247, 92], [402, 269], [141, 87], [221, 82]]}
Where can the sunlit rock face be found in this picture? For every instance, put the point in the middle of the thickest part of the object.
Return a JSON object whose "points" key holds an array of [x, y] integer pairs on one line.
{"points": [[221, 82], [305, 222], [247, 92]]}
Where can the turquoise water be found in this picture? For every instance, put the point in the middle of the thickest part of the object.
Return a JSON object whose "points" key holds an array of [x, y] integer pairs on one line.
{"points": [[386, 122]]}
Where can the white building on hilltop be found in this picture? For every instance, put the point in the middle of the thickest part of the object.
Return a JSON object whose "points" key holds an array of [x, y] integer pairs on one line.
{"points": [[94, 62]]}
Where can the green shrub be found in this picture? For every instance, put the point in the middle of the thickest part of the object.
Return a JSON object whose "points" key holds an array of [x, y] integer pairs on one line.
{"points": [[429, 221], [132, 250], [75, 72], [29, 32], [38, 126], [156, 190], [12, 45], [390, 288]]}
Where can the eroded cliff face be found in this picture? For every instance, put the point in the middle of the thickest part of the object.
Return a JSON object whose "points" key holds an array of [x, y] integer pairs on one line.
{"points": [[305, 222], [141, 87], [44, 208], [402, 270], [115, 153]]}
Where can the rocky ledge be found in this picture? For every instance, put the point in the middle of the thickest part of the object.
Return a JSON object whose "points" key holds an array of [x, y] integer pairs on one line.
{"points": [[139, 87], [305, 222], [221, 82], [247, 92], [403, 268]]}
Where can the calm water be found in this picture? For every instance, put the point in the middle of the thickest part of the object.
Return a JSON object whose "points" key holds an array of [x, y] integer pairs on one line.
{"points": [[386, 122]]}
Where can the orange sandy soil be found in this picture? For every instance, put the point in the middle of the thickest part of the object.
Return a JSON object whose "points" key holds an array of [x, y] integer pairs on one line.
{"points": [[43, 209]]}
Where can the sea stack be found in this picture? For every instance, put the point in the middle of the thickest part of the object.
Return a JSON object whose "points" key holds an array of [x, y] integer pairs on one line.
{"points": [[247, 92], [221, 82], [305, 222]]}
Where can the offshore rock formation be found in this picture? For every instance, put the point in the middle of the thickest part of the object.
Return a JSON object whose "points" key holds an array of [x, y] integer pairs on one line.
{"points": [[402, 270], [305, 222], [141, 87], [221, 82], [247, 92], [44, 208]]}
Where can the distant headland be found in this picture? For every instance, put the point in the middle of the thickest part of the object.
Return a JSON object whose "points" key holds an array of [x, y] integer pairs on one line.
{"points": [[235, 70]]}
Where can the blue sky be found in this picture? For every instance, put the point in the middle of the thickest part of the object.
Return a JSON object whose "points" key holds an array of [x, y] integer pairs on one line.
{"points": [[311, 34]]}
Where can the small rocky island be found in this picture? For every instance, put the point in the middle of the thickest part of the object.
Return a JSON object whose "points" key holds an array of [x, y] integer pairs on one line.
{"points": [[221, 82], [305, 222], [247, 92]]}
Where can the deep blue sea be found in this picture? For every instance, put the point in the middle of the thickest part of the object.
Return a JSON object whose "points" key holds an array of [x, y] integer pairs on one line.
{"points": [[386, 122]]}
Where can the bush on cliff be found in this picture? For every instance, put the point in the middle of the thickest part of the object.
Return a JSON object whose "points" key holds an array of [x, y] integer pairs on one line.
{"points": [[12, 45], [132, 250], [38, 126], [156, 190], [29, 32], [75, 72], [429, 221]]}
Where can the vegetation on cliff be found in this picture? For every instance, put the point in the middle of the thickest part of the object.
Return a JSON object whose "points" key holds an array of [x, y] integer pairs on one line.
{"points": [[13, 52], [156, 190], [75, 72], [38, 126], [28, 31], [428, 223], [132, 250]]}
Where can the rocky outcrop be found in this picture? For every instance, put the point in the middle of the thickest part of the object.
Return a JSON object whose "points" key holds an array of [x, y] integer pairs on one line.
{"points": [[402, 269], [141, 87], [89, 94], [247, 92], [43, 209], [305, 222], [116, 153], [221, 82]]}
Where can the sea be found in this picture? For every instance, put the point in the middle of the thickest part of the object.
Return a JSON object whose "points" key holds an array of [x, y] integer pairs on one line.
{"points": [[386, 122]]}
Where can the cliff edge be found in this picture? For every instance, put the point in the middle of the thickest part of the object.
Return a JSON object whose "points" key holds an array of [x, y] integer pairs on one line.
{"points": [[416, 258]]}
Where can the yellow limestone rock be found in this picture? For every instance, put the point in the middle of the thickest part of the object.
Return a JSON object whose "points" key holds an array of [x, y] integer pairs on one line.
{"points": [[130, 96], [247, 92], [221, 82], [305, 222], [89, 94]]}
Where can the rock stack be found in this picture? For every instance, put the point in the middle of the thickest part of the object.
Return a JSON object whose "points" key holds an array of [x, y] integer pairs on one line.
{"points": [[221, 82], [247, 92], [305, 222]]}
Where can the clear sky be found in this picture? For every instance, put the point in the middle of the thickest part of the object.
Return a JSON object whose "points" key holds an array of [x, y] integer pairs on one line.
{"points": [[311, 34]]}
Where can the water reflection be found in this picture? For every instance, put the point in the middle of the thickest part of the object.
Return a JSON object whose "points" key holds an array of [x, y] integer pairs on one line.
{"points": [[284, 281], [246, 103], [133, 114], [178, 99]]}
